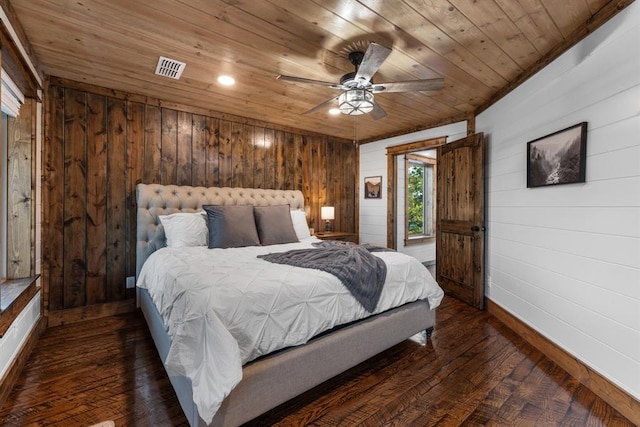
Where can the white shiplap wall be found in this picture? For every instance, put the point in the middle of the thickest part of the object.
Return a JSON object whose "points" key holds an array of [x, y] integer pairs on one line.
{"points": [[373, 162], [566, 259]]}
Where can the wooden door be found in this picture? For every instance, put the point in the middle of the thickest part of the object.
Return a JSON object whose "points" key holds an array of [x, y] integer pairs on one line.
{"points": [[460, 219]]}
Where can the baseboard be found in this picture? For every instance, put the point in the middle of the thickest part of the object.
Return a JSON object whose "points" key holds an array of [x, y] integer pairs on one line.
{"points": [[20, 360], [622, 401], [96, 311]]}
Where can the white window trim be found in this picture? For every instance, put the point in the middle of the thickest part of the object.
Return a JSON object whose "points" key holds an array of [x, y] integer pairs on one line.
{"points": [[12, 96]]}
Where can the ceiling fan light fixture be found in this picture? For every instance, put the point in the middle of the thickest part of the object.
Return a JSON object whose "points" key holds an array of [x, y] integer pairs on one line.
{"points": [[225, 80], [354, 102]]}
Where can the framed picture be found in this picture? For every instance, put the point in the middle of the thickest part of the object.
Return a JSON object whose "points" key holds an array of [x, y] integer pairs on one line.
{"points": [[373, 187], [558, 158]]}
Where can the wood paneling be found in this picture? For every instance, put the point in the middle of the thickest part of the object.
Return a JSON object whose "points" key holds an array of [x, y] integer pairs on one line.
{"points": [[96, 207], [95, 311], [74, 240], [52, 198], [135, 173], [110, 143], [237, 156], [169, 148], [17, 54], [481, 48], [225, 173], [185, 157], [152, 147], [116, 198], [20, 256]]}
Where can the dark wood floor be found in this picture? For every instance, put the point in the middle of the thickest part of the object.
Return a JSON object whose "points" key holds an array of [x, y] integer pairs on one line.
{"points": [[474, 371]]}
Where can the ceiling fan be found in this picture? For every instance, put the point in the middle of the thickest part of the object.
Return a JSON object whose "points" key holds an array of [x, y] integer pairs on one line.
{"points": [[358, 87]]}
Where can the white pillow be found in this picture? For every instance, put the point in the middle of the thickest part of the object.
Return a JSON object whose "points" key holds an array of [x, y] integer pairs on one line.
{"points": [[185, 229], [299, 219]]}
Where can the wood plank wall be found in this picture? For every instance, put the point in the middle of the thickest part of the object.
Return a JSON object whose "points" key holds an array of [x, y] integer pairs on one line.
{"points": [[20, 192], [99, 144]]}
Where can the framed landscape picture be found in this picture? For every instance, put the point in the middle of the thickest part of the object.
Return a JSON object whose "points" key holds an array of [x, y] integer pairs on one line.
{"points": [[558, 158], [373, 187]]}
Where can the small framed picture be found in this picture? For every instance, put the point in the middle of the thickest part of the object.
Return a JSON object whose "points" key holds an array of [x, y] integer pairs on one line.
{"points": [[373, 187], [558, 158]]}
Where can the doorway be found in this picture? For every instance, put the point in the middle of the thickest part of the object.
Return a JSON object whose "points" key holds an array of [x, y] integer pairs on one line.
{"points": [[459, 218], [399, 157], [415, 179]]}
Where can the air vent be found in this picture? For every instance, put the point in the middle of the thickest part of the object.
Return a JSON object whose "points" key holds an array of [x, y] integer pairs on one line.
{"points": [[170, 68]]}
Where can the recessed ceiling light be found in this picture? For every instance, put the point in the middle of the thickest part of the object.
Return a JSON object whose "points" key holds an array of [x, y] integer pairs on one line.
{"points": [[334, 111], [226, 80]]}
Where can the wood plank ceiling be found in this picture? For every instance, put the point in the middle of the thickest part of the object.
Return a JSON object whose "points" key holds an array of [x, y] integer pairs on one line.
{"points": [[481, 49]]}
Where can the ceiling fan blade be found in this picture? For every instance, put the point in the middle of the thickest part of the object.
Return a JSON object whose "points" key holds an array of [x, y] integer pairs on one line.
{"points": [[321, 106], [307, 81], [378, 112], [409, 86], [373, 59]]}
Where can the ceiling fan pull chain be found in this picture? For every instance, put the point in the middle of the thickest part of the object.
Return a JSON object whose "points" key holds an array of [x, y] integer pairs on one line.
{"points": [[355, 131]]}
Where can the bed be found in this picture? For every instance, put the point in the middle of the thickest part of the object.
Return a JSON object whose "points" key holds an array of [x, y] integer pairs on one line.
{"points": [[269, 379]]}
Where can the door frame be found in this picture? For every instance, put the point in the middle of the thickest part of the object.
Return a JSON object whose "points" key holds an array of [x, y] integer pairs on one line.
{"points": [[392, 185]]}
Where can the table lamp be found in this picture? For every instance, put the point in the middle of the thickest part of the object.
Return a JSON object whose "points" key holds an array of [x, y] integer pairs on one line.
{"points": [[327, 213]]}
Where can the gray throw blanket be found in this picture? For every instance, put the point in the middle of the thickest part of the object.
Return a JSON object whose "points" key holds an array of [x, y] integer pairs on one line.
{"points": [[362, 273]]}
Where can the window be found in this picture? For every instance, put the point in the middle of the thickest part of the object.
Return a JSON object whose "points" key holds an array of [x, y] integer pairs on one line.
{"points": [[3, 200], [11, 99], [396, 194], [17, 179], [420, 172]]}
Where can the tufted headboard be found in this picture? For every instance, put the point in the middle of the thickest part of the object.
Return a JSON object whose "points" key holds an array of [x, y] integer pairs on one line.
{"points": [[153, 200]]}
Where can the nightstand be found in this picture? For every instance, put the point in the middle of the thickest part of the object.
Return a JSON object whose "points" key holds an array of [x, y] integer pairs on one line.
{"points": [[337, 235]]}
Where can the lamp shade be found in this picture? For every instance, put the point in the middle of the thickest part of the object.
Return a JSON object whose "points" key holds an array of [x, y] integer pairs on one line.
{"points": [[327, 212], [355, 102]]}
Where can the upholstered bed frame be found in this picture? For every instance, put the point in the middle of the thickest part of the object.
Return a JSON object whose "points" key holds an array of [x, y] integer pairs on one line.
{"points": [[274, 379]]}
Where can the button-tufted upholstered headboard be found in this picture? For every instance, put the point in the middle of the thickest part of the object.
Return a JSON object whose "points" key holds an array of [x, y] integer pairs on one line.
{"points": [[155, 199]]}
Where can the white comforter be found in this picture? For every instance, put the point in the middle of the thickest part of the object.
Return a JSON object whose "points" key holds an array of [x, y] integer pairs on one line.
{"points": [[225, 307]]}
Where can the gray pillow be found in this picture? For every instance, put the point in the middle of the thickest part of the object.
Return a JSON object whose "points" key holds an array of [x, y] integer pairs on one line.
{"points": [[231, 226], [274, 225]]}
